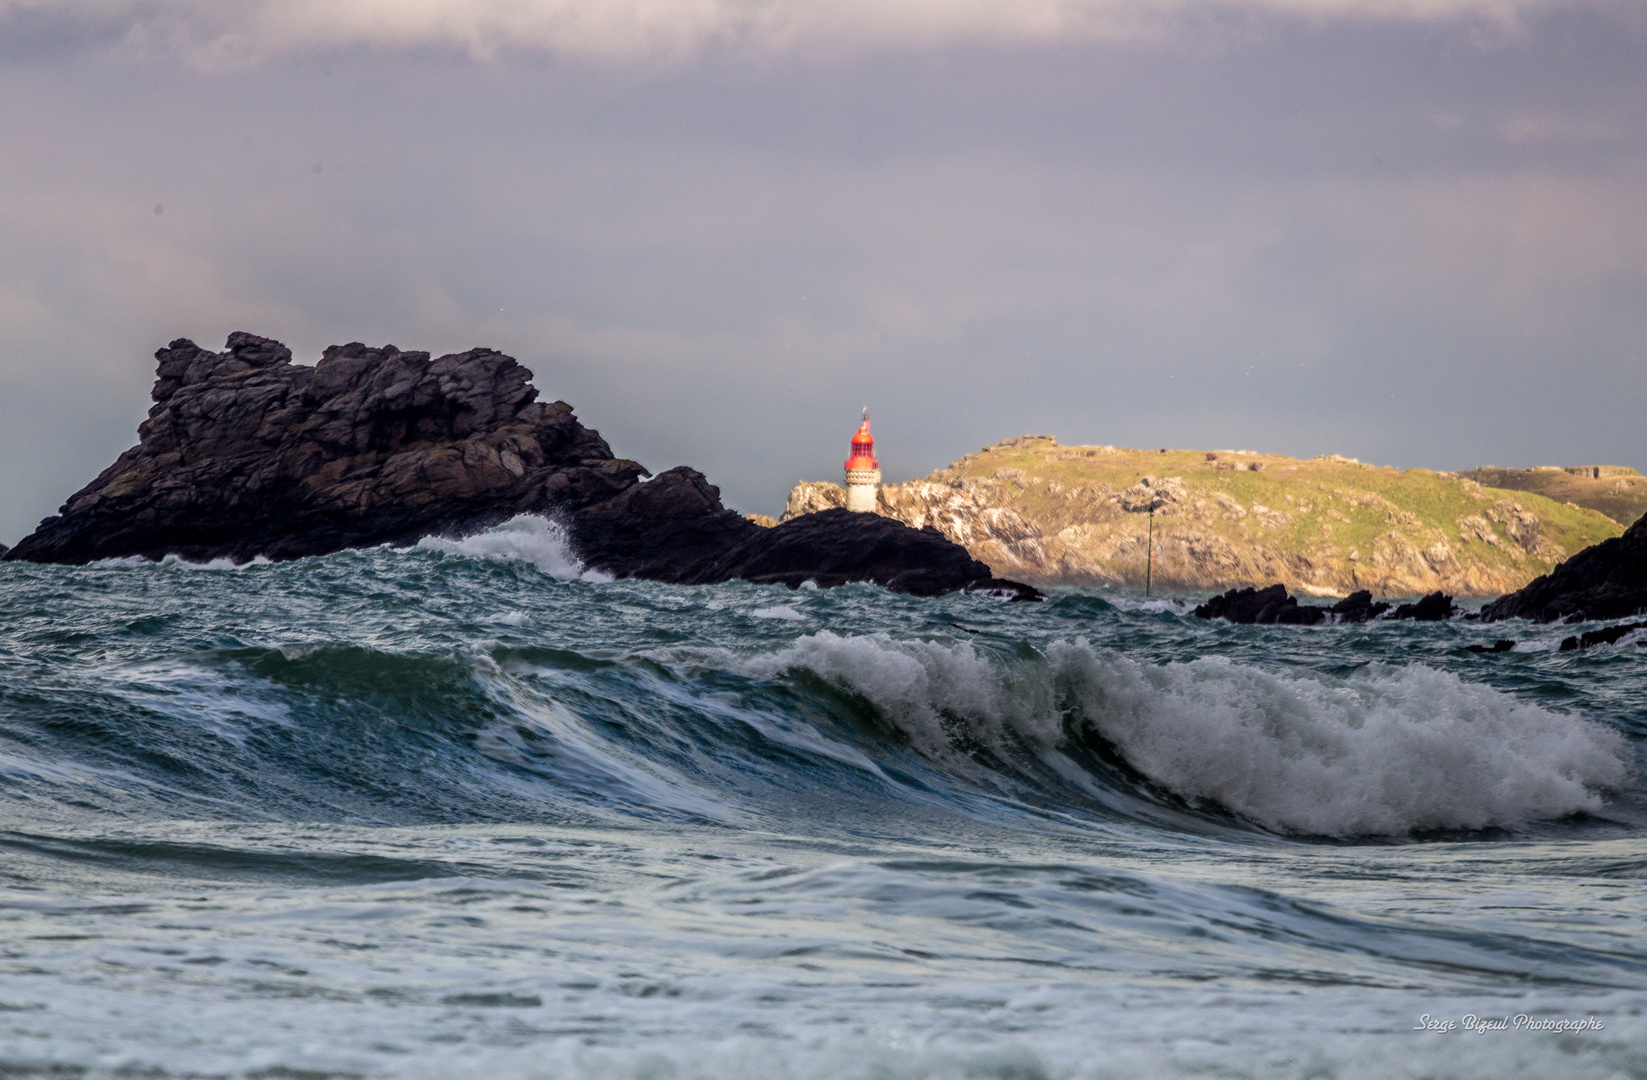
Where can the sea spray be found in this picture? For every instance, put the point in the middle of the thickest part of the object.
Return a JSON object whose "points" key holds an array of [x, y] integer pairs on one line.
{"points": [[1388, 751], [533, 539]]}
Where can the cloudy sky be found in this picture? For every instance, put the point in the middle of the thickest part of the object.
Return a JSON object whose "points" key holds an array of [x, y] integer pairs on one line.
{"points": [[1409, 231]]}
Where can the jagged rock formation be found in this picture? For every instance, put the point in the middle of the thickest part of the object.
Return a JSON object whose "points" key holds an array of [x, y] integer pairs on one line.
{"points": [[1272, 606], [3, 550], [246, 454], [1330, 526], [1607, 581]]}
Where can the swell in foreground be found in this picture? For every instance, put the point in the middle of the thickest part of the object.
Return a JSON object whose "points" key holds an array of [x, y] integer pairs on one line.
{"points": [[471, 808]]}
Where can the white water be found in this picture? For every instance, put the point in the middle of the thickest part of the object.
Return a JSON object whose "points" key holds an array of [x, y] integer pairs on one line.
{"points": [[526, 538], [1389, 751]]}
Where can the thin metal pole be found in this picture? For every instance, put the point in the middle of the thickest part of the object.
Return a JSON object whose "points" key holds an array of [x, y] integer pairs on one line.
{"points": [[1149, 564]]}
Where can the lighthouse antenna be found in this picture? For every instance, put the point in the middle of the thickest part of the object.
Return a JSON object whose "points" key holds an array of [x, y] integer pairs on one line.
{"points": [[866, 412]]}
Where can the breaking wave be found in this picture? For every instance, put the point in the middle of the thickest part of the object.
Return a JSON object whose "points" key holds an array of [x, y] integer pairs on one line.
{"points": [[1387, 751], [526, 538], [314, 689]]}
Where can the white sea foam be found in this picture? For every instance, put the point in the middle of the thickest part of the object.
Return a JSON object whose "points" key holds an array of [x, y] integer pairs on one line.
{"points": [[1166, 605], [1550, 644], [777, 612], [527, 538], [1388, 751], [138, 561]]}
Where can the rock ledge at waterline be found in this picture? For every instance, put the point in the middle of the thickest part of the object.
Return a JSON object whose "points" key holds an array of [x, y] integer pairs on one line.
{"points": [[246, 454]]}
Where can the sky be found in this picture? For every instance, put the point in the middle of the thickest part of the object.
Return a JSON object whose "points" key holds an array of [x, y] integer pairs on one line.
{"points": [[1412, 232]]}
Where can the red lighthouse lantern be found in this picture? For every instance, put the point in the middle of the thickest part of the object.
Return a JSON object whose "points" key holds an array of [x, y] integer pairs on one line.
{"points": [[863, 471]]}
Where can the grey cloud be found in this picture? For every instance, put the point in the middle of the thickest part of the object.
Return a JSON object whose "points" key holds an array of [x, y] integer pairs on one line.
{"points": [[215, 34], [1375, 240]]}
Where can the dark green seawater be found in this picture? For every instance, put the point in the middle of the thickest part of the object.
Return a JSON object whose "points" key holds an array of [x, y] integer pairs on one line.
{"points": [[460, 811]]}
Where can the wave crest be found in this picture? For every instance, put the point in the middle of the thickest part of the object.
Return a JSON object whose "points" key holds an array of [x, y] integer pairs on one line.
{"points": [[525, 538], [1389, 751]]}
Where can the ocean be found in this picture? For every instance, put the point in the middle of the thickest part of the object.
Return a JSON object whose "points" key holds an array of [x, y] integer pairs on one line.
{"points": [[467, 810]]}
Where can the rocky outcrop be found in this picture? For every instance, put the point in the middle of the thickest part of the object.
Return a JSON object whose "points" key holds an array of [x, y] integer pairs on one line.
{"points": [[1081, 515], [1272, 606], [1608, 636], [246, 454], [1606, 581], [1268, 606], [1436, 607], [3, 550], [835, 546]]}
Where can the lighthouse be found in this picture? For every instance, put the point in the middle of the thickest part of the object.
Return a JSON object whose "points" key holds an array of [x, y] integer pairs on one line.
{"points": [[863, 472]]}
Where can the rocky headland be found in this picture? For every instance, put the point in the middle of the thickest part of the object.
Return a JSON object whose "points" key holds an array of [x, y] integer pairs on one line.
{"points": [[246, 454], [1328, 526], [1607, 581]]}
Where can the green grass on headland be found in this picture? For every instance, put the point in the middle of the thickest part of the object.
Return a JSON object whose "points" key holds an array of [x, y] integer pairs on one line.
{"points": [[1326, 525], [1620, 493]]}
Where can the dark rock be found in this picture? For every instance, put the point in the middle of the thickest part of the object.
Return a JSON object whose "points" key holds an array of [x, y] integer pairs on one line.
{"points": [[245, 454], [3, 550], [1251, 606], [1272, 605], [1605, 636], [1358, 607], [1501, 645], [1605, 581], [1435, 607], [833, 547]]}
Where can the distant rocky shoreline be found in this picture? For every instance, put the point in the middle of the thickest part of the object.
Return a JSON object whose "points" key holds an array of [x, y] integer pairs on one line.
{"points": [[1606, 581], [245, 454], [1080, 516]]}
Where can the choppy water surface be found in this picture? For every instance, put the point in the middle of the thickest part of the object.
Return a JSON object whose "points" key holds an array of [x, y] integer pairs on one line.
{"points": [[458, 811]]}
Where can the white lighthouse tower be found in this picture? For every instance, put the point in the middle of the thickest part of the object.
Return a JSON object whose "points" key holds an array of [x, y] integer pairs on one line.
{"points": [[863, 472]]}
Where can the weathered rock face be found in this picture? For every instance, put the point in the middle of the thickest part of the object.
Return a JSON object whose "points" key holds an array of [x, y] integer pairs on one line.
{"points": [[1606, 581], [246, 454]]}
